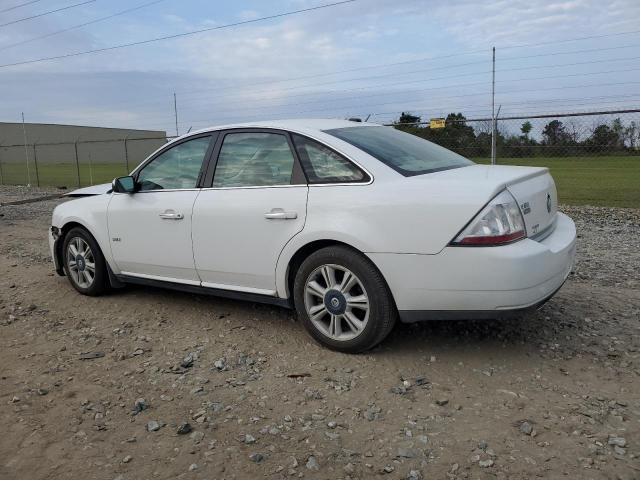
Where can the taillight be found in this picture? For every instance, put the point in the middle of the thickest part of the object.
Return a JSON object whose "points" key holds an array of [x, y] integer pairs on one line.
{"points": [[499, 222]]}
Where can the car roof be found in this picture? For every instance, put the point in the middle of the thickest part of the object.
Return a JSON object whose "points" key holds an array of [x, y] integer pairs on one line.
{"points": [[297, 124]]}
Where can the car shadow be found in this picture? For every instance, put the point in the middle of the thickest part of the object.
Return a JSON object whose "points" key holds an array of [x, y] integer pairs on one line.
{"points": [[557, 321], [561, 320]]}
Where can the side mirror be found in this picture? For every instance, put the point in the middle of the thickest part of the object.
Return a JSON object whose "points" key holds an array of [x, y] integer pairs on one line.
{"points": [[124, 185]]}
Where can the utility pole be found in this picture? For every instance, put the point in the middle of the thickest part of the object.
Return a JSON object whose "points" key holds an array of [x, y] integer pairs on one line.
{"points": [[493, 107], [26, 151], [175, 111]]}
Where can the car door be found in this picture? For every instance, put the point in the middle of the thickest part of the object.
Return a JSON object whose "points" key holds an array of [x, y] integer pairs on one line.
{"points": [[150, 230], [256, 203]]}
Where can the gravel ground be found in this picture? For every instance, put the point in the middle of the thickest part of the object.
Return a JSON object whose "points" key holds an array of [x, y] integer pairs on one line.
{"points": [[146, 383]]}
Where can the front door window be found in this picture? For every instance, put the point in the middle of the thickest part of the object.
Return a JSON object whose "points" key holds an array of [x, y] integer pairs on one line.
{"points": [[176, 168]]}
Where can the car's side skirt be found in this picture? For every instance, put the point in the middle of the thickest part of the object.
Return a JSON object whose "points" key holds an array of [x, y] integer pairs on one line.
{"points": [[216, 292]]}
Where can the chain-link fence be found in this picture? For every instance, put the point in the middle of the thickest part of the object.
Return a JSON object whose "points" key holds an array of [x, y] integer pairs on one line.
{"points": [[594, 157], [580, 135], [73, 164], [573, 145]]}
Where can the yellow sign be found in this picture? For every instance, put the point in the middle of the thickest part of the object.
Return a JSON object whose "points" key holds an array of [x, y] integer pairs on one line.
{"points": [[437, 123]]}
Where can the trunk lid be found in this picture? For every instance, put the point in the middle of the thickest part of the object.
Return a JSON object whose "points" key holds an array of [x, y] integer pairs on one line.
{"points": [[532, 187], [538, 202]]}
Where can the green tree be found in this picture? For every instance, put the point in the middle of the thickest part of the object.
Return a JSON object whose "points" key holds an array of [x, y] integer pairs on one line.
{"points": [[409, 119], [618, 129], [603, 139], [632, 135], [555, 133], [526, 128]]}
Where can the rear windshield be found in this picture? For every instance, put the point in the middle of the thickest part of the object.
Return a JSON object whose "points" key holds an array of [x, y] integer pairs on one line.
{"points": [[405, 153]]}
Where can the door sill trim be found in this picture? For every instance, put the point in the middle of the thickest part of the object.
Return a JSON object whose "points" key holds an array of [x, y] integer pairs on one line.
{"points": [[216, 292], [257, 291], [160, 278]]}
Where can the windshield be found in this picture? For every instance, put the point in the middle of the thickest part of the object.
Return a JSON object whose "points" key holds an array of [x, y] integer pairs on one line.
{"points": [[405, 153]]}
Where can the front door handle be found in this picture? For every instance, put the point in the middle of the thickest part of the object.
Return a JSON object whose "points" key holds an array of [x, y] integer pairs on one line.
{"points": [[171, 215], [280, 214]]}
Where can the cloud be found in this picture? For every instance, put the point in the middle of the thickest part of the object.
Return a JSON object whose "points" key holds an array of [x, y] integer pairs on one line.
{"points": [[509, 22], [219, 71]]}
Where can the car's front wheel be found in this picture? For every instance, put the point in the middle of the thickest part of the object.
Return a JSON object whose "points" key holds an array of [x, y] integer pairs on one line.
{"points": [[84, 263], [343, 300]]}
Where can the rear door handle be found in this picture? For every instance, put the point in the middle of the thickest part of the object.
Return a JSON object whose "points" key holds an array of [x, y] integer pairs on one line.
{"points": [[280, 214], [171, 215]]}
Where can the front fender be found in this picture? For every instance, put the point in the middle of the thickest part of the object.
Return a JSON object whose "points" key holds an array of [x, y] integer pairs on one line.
{"points": [[91, 214]]}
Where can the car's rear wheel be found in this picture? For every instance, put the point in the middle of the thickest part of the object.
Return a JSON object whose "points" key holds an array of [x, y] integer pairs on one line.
{"points": [[343, 300], [84, 263]]}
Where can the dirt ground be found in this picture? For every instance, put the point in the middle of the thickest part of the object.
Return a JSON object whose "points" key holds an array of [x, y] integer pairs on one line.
{"points": [[553, 395]]}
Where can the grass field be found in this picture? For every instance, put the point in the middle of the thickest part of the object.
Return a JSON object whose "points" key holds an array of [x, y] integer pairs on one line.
{"points": [[600, 181], [63, 174]]}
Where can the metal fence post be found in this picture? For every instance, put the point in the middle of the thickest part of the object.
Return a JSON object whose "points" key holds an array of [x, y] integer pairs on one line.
{"points": [[1, 174], [35, 162], [75, 146], [126, 154]]}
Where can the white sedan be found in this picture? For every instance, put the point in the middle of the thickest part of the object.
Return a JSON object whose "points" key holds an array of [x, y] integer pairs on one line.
{"points": [[352, 224]]}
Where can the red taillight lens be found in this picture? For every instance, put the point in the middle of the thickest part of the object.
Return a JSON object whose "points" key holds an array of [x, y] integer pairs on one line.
{"points": [[499, 222]]}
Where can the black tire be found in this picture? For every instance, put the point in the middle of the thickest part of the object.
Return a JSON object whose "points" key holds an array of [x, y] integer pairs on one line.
{"points": [[382, 312], [100, 282]]}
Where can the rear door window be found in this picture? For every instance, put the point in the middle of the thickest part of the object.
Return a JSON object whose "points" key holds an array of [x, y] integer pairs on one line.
{"points": [[254, 159], [405, 153], [323, 165]]}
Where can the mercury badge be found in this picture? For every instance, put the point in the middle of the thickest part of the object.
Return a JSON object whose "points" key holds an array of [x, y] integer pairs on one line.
{"points": [[548, 203]]}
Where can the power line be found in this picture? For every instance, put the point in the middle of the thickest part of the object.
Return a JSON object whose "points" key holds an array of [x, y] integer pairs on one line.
{"points": [[368, 67], [456, 86], [178, 35], [385, 85], [362, 107], [416, 91], [101, 19], [392, 74], [262, 93], [19, 5], [572, 100], [385, 65], [325, 74], [567, 40], [343, 108], [465, 108], [590, 50], [366, 107], [447, 67], [47, 13], [422, 111]]}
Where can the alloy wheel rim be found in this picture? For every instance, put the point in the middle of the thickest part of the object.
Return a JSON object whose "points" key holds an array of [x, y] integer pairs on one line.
{"points": [[81, 262], [336, 302]]}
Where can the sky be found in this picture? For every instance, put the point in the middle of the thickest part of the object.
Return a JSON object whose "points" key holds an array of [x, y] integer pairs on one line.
{"points": [[373, 58]]}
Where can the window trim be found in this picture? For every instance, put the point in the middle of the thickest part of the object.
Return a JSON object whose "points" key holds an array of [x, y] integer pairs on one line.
{"points": [[205, 179], [298, 177], [213, 136], [367, 179]]}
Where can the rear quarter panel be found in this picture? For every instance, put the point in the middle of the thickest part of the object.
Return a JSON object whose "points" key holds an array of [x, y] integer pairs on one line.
{"points": [[404, 216]]}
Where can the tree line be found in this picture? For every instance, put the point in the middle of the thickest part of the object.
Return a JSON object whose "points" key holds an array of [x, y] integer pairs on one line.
{"points": [[557, 138]]}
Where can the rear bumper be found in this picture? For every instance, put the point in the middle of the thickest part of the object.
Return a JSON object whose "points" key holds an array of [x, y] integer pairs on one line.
{"points": [[480, 282], [413, 316]]}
